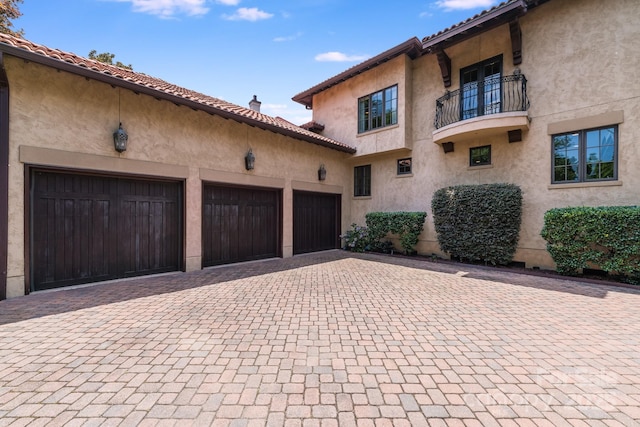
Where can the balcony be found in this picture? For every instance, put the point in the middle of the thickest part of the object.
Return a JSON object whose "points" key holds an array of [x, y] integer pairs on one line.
{"points": [[481, 109]]}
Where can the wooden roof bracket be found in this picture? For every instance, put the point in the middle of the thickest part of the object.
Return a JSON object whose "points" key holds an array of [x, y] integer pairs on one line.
{"points": [[445, 66], [516, 41]]}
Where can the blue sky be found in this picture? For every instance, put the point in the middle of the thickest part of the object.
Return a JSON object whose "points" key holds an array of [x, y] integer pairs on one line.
{"points": [[234, 49]]}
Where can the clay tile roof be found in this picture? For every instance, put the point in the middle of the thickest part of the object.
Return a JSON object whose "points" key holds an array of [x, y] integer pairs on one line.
{"points": [[142, 83]]}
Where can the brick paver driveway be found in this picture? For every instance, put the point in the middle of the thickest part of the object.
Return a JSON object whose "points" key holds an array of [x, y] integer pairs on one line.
{"points": [[323, 340]]}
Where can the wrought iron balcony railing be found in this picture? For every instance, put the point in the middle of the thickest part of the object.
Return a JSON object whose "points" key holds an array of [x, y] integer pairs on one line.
{"points": [[491, 96]]}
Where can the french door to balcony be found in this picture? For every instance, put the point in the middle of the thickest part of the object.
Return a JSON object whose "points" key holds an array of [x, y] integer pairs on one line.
{"points": [[481, 88]]}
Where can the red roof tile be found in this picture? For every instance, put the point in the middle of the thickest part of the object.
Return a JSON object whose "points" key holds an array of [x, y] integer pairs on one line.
{"points": [[156, 87]]}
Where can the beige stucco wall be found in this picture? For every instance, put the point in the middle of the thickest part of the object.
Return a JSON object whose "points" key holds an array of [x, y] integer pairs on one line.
{"points": [[336, 109], [62, 120], [578, 73], [580, 59]]}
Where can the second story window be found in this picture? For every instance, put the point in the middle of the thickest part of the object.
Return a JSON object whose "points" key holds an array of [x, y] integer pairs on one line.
{"points": [[481, 88], [378, 109], [585, 155]]}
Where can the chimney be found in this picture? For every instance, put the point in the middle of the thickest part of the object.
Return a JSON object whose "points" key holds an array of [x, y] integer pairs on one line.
{"points": [[254, 104]]}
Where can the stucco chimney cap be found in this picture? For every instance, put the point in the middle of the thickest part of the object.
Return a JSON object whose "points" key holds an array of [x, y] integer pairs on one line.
{"points": [[254, 104]]}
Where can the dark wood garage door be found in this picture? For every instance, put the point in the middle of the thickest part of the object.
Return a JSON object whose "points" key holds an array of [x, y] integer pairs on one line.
{"points": [[88, 228], [316, 221], [239, 224]]}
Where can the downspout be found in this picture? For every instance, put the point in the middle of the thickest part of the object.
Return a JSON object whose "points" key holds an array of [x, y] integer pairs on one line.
{"points": [[4, 176]]}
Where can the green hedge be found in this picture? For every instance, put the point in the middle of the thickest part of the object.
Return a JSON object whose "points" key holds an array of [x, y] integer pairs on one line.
{"points": [[607, 237], [408, 225], [478, 222]]}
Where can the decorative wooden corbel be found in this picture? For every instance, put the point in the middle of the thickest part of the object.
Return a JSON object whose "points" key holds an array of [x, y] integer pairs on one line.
{"points": [[445, 67], [516, 41]]}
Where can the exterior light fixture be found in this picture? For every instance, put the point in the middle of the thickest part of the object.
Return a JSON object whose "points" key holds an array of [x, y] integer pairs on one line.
{"points": [[322, 173], [249, 160], [447, 147], [120, 138]]}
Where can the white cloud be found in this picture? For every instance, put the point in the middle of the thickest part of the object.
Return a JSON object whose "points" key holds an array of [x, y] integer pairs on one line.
{"points": [[168, 8], [287, 38], [465, 4], [228, 2], [339, 57], [248, 14]]}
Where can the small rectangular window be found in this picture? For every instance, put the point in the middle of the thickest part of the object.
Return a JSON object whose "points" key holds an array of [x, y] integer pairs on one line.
{"points": [[378, 109], [585, 155], [404, 166], [362, 181], [480, 155]]}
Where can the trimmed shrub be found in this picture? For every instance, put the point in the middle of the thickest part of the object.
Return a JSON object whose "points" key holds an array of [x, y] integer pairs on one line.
{"points": [[607, 237], [407, 225], [478, 222]]}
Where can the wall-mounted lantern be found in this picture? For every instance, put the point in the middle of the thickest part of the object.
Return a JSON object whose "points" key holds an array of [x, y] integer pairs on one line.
{"points": [[120, 138], [322, 173], [249, 160]]}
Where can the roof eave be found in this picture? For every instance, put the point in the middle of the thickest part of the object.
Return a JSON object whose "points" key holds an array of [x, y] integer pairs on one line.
{"points": [[411, 47], [158, 94], [496, 17]]}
